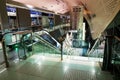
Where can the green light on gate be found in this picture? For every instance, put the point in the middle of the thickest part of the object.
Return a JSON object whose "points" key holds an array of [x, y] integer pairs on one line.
{"points": [[16, 49], [16, 45]]}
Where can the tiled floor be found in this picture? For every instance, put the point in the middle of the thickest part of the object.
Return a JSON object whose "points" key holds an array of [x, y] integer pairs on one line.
{"points": [[44, 68]]}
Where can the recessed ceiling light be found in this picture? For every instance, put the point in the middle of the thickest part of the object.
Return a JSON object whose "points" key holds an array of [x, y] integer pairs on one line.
{"points": [[56, 12], [29, 6]]}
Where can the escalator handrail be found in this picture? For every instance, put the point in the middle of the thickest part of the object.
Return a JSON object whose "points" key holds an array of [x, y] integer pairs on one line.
{"points": [[45, 42], [46, 32], [36, 35], [93, 48], [49, 34]]}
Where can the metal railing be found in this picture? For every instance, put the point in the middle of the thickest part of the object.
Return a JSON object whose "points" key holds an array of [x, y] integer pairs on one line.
{"points": [[97, 51]]}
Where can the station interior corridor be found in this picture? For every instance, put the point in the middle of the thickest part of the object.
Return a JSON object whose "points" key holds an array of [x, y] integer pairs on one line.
{"points": [[59, 39]]}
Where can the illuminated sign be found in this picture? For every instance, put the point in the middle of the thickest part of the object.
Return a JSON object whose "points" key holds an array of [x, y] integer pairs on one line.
{"points": [[35, 12], [11, 9]]}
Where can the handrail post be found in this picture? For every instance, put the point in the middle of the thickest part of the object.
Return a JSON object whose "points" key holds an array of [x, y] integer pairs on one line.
{"points": [[61, 51], [4, 53]]}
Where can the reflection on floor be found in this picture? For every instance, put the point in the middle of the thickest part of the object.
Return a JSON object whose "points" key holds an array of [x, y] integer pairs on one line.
{"points": [[45, 68]]}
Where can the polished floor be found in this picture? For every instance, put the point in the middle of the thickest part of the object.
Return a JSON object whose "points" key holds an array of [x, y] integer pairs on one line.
{"points": [[39, 67]]}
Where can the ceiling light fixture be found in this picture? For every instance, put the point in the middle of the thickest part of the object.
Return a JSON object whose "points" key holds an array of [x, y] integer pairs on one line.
{"points": [[56, 12], [29, 6]]}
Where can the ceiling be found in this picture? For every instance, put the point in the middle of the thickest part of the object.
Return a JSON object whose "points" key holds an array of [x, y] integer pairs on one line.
{"points": [[56, 6]]}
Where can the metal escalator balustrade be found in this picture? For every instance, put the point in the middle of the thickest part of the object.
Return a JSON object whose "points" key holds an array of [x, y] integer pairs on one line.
{"points": [[115, 58], [68, 48], [97, 51], [75, 50], [45, 38], [80, 49], [46, 43]]}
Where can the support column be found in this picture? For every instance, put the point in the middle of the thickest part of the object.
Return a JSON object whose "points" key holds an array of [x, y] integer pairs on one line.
{"points": [[3, 26], [3, 15], [23, 17], [77, 17], [107, 54], [61, 50], [57, 19], [77, 20], [4, 53]]}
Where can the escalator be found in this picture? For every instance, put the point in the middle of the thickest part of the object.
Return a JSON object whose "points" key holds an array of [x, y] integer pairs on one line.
{"points": [[38, 43], [46, 43], [23, 44]]}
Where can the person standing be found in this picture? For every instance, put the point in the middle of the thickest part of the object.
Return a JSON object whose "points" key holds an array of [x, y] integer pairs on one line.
{"points": [[51, 23]]}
